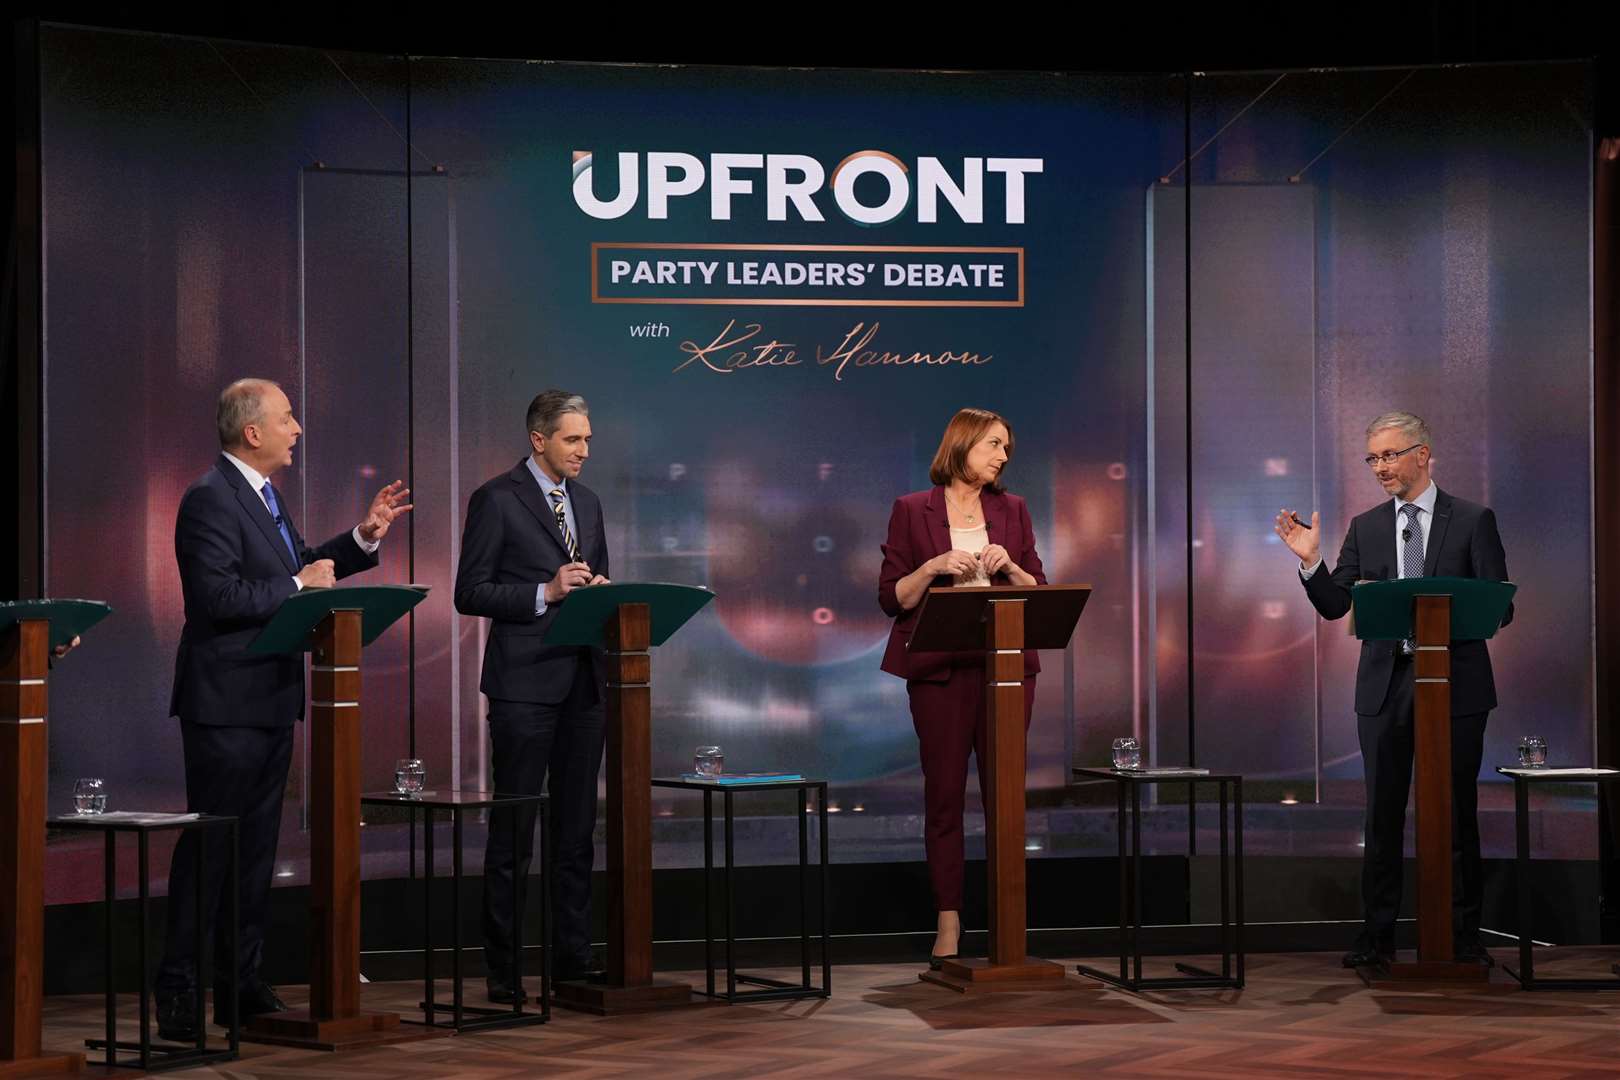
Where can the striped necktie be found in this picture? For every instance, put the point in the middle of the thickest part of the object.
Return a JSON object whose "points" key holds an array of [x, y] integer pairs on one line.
{"points": [[562, 524], [1411, 554]]}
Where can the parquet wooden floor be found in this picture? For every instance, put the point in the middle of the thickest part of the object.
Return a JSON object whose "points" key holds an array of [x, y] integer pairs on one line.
{"points": [[1300, 1016]]}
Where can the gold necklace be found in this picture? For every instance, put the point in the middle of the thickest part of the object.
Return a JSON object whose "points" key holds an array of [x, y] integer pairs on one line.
{"points": [[969, 518]]}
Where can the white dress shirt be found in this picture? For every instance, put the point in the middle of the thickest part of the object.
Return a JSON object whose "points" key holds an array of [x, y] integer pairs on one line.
{"points": [[547, 486]]}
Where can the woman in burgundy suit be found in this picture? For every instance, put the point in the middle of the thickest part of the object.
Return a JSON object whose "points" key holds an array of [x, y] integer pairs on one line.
{"points": [[965, 531]]}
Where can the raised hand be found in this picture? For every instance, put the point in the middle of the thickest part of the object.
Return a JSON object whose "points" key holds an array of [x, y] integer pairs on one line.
{"points": [[1305, 543], [388, 505]]}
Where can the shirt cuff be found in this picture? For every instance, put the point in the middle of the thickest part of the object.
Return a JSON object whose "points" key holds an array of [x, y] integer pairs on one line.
{"points": [[368, 546], [539, 600], [298, 586], [1306, 574]]}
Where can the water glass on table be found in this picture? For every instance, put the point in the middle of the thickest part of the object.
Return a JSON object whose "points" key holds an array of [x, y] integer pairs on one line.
{"points": [[89, 796], [409, 776], [709, 761], [1532, 752], [1127, 754]]}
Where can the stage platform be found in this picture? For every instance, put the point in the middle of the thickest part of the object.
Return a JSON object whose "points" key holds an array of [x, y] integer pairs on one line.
{"points": [[1302, 1015]]}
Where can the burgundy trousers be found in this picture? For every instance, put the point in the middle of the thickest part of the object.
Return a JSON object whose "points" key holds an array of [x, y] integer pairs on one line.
{"points": [[952, 722]]}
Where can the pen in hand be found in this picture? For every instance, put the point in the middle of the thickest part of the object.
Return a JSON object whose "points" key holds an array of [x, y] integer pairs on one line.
{"points": [[1301, 524]]}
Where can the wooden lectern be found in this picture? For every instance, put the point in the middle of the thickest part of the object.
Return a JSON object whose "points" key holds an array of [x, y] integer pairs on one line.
{"points": [[626, 620], [1001, 621], [333, 625], [29, 630], [1433, 612]]}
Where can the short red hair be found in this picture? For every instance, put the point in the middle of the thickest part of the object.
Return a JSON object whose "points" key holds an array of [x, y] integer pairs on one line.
{"points": [[966, 428]]}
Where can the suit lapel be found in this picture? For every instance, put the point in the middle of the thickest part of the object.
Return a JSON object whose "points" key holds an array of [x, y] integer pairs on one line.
{"points": [[253, 506], [530, 495], [995, 518], [1381, 549], [1442, 521], [938, 523]]}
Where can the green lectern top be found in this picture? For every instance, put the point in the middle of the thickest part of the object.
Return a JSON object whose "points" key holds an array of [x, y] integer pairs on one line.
{"points": [[583, 614], [1384, 608], [380, 606], [68, 618]]}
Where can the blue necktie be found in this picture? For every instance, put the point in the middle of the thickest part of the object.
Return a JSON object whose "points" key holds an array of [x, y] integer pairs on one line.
{"points": [[281, 522], [1411, 554]]}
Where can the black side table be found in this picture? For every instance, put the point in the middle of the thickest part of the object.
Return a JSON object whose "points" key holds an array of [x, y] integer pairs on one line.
{"points": [[1130, 884], [771, 989], [163, 1055], [454, 803], [1522, 779]]}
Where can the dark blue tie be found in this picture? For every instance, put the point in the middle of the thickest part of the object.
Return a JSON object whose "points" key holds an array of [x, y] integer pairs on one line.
{"points": [[281, 522]]}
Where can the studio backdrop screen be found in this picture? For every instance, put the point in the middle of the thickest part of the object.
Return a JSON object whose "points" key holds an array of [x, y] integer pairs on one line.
{"points": [[774, 288]]}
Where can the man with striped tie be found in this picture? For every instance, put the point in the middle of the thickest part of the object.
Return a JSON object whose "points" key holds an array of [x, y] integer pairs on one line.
{"points": [[1420, 531], [533, 535]]}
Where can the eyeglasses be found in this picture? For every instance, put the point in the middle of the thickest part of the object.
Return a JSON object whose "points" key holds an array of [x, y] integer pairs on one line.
{"points": [[1388, 457]]}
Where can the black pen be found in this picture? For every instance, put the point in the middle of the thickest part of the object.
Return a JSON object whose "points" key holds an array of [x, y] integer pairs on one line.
{"points": [[1298, 522]]}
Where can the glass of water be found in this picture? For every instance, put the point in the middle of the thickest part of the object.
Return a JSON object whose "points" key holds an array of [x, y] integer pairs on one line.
{"points": [[1533, 752], [409, 776], [1127, 753], [709, 761], [89, 796]]}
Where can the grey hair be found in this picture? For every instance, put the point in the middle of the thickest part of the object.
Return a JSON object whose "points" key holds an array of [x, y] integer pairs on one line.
{"points": [[550, 406], [240, 404], [1409, 424]]}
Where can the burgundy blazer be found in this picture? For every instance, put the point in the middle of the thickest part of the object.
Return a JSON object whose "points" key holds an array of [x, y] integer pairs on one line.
{"points": [[919, 530]]}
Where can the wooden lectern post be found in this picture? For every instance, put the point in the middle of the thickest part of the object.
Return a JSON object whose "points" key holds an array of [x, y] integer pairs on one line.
{"points": [[28, 631], [629, 986], [1433, 612], [1004, 802], [344, 621], [627, 620], [1012, 619], [1431, 735], [24, 647]]}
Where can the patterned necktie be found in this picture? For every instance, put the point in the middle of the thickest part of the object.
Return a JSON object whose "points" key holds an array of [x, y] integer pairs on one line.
{"points": [[1411, 554], [281, 522], [562, 524]]}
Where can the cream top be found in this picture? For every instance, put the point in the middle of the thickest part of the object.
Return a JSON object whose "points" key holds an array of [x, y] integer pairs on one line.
{"points": [[971, 541]]}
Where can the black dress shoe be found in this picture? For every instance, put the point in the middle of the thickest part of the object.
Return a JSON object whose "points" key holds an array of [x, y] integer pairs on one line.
{"points": [[177, 1016], [252, 1001], [578, 972], [1472, 952], [502, 992], [1368, 951], [937, 962]]}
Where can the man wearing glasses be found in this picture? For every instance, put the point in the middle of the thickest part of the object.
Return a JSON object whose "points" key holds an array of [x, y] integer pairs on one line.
{"points": [[1420, 531]]}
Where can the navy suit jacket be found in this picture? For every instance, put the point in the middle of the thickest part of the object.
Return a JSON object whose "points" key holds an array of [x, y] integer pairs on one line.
{"points": [[235, 570], [511, 544], [919, 530], [1464, 543]]}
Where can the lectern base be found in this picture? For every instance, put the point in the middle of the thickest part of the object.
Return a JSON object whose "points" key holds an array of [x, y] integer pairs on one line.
{"points": [[983, 977], [602, 999], [1432, 975], [296, 1027], [45, 1065]]}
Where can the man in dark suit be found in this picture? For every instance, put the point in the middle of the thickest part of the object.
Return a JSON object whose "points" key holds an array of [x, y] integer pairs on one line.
{"points": [[533, 535], [1420, 531], [240, 556]]}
